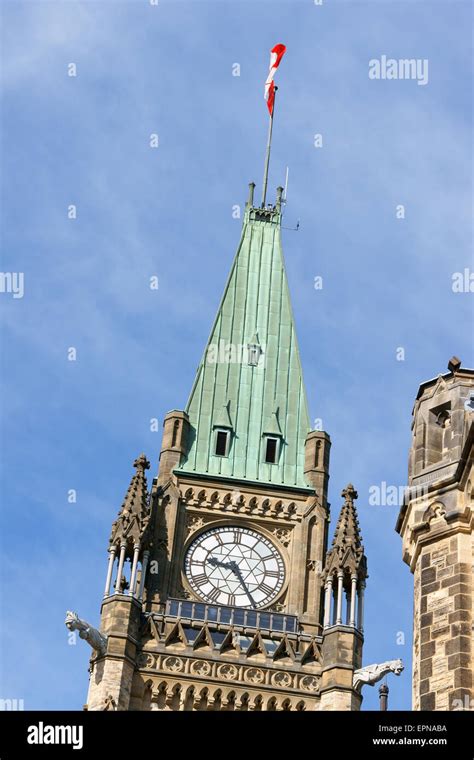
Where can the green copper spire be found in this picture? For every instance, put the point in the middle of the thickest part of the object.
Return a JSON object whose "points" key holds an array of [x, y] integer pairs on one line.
{"points": [[249, 384]]}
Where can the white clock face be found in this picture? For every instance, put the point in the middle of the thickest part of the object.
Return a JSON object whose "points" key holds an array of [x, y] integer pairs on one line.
{"points": [[234, 566]]}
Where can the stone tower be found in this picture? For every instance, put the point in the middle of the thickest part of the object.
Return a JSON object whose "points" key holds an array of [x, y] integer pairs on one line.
{"points": [[436, 525], [225, 597]]}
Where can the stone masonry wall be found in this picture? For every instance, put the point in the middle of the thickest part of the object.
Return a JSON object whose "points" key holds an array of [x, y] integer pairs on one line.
{"points": [[443, 616]]}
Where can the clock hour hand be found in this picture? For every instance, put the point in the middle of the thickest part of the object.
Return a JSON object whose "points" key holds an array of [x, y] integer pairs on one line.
{"points": [[218, 563]]}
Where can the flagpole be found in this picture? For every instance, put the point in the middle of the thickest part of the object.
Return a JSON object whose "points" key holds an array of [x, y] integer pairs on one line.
{"points": [[267, 155]]}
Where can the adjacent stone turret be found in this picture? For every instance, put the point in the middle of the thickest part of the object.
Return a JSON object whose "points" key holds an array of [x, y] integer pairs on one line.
{"points": [[436, 524]]}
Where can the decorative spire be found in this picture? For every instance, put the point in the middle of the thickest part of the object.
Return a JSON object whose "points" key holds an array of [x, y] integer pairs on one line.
{"points": [[134, 514], [347, 550], [255, 377], [347, 529]]}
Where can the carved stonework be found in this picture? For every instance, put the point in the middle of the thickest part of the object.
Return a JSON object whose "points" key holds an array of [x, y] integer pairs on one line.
{"points": [[282, 680], [110, 704], [283, 535], [229, 672], [373, 673], [193, 523], [278, 607], [309, 683], [254, 675], [94, 638], [147, 661], [200, 668], [174, 664], [237, 502]]}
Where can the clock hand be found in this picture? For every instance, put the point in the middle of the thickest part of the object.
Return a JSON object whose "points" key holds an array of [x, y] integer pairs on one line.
{"points": [[236, 569], [217, 563], [233, 566]]}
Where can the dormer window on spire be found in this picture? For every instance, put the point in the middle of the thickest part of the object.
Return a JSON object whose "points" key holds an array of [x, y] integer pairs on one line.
{"points": [[254, 351], [253, 354], [272, 449], [221, 442]]}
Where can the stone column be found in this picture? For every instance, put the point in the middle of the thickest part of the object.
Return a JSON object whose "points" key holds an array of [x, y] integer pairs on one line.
{"points": [[112, 552], [339, 598], [133, 576], [327, 603], [360, 621], [352, 616], [146, 555], [120, 568]]}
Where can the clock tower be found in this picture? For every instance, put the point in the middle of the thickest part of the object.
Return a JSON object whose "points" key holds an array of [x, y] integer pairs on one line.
{"points": [[221, 593]]}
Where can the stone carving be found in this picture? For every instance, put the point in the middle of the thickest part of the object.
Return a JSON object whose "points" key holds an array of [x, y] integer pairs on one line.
{"points": [[110, 704], [254, 675], [281, 679], [235, 501], [194, 523], [146, 660], [434, 511], [278, 607], [229, 672], [200, 668], [94, 638], [373, 673], [469, 403], [283, 535], [175, 664], [309, 683]]}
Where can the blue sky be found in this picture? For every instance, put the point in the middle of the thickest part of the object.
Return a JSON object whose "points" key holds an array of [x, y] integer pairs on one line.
{"points": [[387, 282]]}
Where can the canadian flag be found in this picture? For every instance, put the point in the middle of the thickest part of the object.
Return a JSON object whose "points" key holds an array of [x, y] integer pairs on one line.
{"points": [[276, 55]]}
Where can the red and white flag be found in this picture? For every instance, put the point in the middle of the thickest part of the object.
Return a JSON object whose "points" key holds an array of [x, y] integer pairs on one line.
{"points": [[275, 57]]}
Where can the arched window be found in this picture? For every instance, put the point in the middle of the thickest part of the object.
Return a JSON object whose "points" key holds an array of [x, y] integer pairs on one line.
{"points": [[175, 433]]}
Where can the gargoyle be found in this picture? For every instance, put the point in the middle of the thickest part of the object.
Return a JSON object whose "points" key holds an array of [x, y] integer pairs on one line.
{"points": [[373, 673], [95, 638]]}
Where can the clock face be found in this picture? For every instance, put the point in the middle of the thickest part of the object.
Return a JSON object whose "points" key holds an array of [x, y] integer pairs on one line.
{"points": [[234, 566]]}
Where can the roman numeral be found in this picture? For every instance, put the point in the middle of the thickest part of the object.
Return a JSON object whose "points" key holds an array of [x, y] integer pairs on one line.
{"points": [[272, 574], [214, 595], [266, 589], [200, 579], [237, 538]]}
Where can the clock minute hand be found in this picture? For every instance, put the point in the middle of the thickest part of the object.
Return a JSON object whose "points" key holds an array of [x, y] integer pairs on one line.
{"points": [[236, 569]]}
